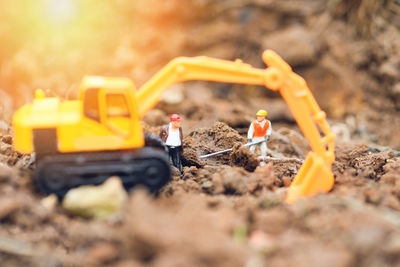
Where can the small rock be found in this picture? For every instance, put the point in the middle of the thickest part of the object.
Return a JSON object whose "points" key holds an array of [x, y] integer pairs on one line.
{"points": [[207, 186], [50, 202], [101, 201]]}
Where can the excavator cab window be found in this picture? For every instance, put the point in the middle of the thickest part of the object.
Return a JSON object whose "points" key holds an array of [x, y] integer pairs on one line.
{"points": [[118, 118], [117, 106], [91, 104]]}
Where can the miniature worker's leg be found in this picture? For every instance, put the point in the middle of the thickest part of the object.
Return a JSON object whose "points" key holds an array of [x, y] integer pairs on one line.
{"points": [[175, 154], [256, 139], [175, 160], [179, 158], [263, 148], [171, 154]]}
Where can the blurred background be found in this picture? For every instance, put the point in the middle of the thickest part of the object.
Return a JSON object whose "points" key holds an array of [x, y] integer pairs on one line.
{"points": [[347, 50]]}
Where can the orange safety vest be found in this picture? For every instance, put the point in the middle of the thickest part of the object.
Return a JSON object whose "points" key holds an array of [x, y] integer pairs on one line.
{"points": [[260, 131]]}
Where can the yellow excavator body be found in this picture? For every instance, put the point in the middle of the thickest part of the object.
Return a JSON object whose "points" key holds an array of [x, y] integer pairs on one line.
{"points": [[106, 117]]}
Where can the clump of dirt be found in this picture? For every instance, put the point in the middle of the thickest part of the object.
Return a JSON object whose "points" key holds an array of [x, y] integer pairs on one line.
{"points": [[230, 182], [227, 180], [286, 169], [241, 156], [236, 181], [190, 156], [208, 140], [370, 166], [6, 150], [372, 174]]}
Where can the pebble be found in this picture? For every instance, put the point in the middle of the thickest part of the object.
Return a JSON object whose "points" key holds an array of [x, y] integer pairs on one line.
{"points": [[103, 201]]}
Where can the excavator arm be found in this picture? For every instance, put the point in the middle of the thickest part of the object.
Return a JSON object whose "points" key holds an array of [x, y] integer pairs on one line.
{"points": [[315, 175]]}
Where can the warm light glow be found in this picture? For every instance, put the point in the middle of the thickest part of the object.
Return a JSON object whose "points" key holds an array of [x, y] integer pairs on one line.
{"points": [[61, 11]]}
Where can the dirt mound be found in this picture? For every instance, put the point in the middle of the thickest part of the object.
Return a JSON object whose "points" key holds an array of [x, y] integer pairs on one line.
{"points": [[236, 181], [208, 140], [241, 156]]}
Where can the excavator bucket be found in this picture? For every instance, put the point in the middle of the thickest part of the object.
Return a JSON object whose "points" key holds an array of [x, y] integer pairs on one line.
{"points": [[313, 177]]}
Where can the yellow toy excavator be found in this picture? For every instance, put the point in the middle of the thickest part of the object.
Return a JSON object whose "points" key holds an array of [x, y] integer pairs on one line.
{"points": [[85, 141]]}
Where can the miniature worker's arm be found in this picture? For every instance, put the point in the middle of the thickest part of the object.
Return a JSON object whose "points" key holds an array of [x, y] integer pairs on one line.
{"points": [[269, 131], [250, 133], [181, 137], [163, 133]]}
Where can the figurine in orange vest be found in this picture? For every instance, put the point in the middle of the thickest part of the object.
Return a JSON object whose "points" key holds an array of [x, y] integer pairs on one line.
{"points": [[260, 130]]}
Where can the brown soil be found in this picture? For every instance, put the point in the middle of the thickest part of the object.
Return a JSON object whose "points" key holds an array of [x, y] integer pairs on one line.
{"points": [[226, 210]]}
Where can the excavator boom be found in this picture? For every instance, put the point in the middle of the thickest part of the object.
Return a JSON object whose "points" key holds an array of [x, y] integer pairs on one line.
{"points": [[315, 175], [197, 68]]}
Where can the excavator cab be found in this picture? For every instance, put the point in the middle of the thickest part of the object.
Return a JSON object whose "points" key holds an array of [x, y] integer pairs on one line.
{"points": [[118, 116], [112, 103], [91, 139]]}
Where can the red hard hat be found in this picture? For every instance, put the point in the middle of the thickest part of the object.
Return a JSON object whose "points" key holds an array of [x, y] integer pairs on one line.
{"points": [[175, 117]]}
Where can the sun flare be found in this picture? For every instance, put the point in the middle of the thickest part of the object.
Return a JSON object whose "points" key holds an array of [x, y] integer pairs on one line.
{"points": [[61, 11]]}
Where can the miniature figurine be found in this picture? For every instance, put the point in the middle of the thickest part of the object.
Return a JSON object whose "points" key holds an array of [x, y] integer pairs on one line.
{"points": [[260, 131], [172, 136]]}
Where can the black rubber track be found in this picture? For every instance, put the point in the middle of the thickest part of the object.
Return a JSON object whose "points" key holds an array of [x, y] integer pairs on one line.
{"points": [[146, 166], [154, 141]]}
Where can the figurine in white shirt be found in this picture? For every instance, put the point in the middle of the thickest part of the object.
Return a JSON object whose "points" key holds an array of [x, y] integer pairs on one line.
{"points": [[172, 136]]}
